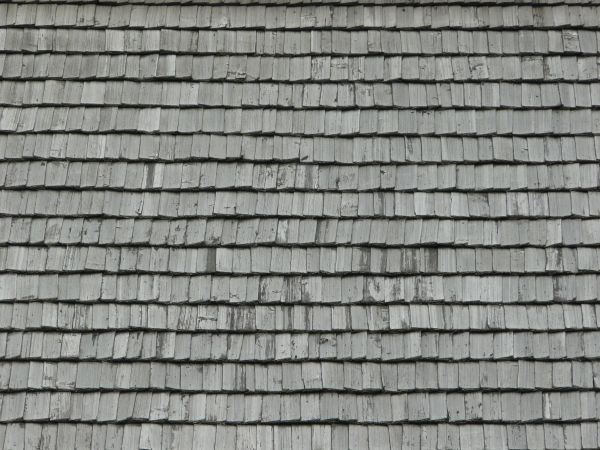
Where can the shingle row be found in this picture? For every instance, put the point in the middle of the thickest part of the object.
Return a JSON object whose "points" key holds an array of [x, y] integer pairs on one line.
{"points": [[295, 17], [442, 347], [297, 289], [302, 122], [300, 95], [298, 260], [300, 68], [562, 3], [299, 232], [356, 151], [71, 436], [70, 203], [277, 318], [317, 42], [530, 407], [366, 377], [244, 176]]}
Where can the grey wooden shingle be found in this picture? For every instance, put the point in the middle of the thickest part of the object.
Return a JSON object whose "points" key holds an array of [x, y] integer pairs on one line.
{"points": [[299, 226]]}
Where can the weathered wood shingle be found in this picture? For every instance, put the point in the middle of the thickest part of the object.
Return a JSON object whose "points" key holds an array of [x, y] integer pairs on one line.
{"points": [[294, 225]]}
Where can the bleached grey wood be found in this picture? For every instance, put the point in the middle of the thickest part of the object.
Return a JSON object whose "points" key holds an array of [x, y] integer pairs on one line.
{"points": [[299, 226]]}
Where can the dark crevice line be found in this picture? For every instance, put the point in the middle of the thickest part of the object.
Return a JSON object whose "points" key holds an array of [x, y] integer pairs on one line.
{"points": [[274, 332], [323, 220], [365, 392], [396, 276], [288, 246], [27, 51], [275, 107], [191, 79], [269, 216], [278, 422], [241, 189], [340, 3], [298, 361], [293, 134], [304, 216], [268, 29], [12, 159], [258, 134], [316, 304], [408, 360], [321, 273], [441, 334]]}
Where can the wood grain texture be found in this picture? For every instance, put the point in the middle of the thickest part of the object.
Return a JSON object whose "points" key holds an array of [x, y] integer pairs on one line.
{"points": [[268, 224]]}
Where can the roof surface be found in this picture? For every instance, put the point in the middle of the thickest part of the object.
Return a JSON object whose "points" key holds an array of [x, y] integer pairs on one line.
{"points": [[366, 225]]}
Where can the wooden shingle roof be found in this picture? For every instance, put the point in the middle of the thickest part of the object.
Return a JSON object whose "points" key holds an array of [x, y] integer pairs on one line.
{"points": [[277, 224]]}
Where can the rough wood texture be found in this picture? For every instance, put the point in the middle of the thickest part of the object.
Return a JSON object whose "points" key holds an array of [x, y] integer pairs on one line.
{"points": [[368, 225]]}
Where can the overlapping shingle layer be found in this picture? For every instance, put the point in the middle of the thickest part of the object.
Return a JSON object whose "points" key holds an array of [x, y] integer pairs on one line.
{"points": [[278, 225]]}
